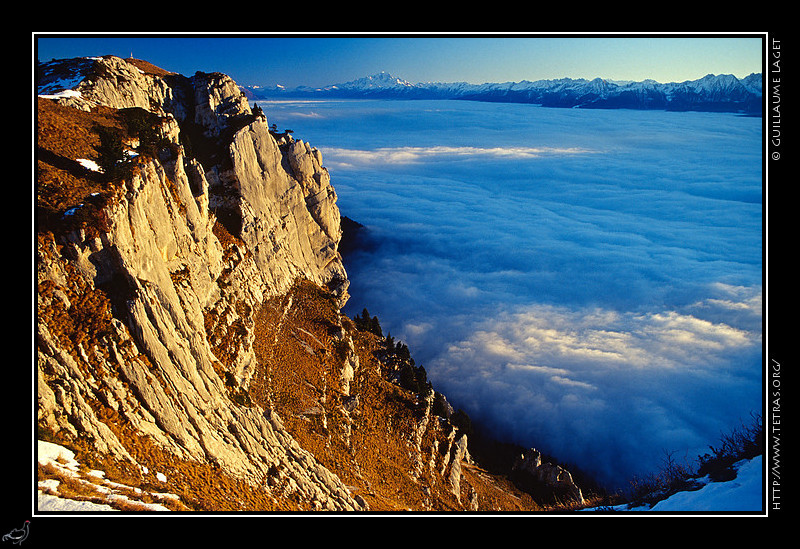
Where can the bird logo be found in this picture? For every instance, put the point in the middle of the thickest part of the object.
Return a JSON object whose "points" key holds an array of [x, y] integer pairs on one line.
{"points": [[18, 535]]}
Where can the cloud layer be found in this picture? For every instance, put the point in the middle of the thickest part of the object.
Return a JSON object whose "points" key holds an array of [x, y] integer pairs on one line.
{"points": [[585, 282], [609, 391], [408, 155]]}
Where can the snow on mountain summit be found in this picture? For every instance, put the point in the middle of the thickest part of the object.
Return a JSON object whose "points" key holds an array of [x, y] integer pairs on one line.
{"points": [[721, 93], [381, 80]]}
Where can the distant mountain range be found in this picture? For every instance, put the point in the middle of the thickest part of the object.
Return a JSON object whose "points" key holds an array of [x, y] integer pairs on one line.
{"points": [[715, 93]]}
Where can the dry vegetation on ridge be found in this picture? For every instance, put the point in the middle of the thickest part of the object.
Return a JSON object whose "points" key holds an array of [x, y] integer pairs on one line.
{"points": [[63, 136], [370, 449]]}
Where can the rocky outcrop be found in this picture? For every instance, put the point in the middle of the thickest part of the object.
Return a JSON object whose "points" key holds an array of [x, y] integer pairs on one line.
{"points": [[108, 81], [291, 224], [460, 454], [530, 467]]}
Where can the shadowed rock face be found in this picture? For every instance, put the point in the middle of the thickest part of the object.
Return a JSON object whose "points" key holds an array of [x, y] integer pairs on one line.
{"points": [[529, 467]]}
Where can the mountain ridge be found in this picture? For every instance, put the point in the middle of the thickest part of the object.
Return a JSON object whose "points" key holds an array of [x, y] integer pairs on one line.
{"points": [[189, 338], [716, 93]]}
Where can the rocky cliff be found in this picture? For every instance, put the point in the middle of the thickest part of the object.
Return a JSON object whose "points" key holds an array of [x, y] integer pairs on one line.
{"points": [[189, 335]]}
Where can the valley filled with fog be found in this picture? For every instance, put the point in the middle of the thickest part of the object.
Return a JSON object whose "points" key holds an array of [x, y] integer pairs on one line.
{"points": [[586, 282]]}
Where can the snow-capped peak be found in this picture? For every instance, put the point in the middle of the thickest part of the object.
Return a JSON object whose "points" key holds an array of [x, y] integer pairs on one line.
{"points": [[381, 80]]}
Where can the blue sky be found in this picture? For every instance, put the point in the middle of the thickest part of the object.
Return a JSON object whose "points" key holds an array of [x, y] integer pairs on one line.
{"points": [[319, 60]]}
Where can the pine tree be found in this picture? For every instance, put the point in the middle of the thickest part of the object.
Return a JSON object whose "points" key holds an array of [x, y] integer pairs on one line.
{"points": [[367, 323], [111, 153], [375, 327]]}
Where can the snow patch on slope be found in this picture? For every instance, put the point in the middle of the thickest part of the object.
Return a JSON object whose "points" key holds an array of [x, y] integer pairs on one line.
{"points": [[104, 493]]}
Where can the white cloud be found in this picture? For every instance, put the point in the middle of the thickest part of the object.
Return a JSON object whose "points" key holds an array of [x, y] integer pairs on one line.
{"points": [[539, 338], [339, 157], [417, 329], [571, 383]]}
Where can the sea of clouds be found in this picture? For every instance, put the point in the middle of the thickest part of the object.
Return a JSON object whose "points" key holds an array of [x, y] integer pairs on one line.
{"points": [[585, 282]]}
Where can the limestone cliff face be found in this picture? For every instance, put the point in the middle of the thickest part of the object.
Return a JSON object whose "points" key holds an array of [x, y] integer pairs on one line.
{"points": [[173, 282]]}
